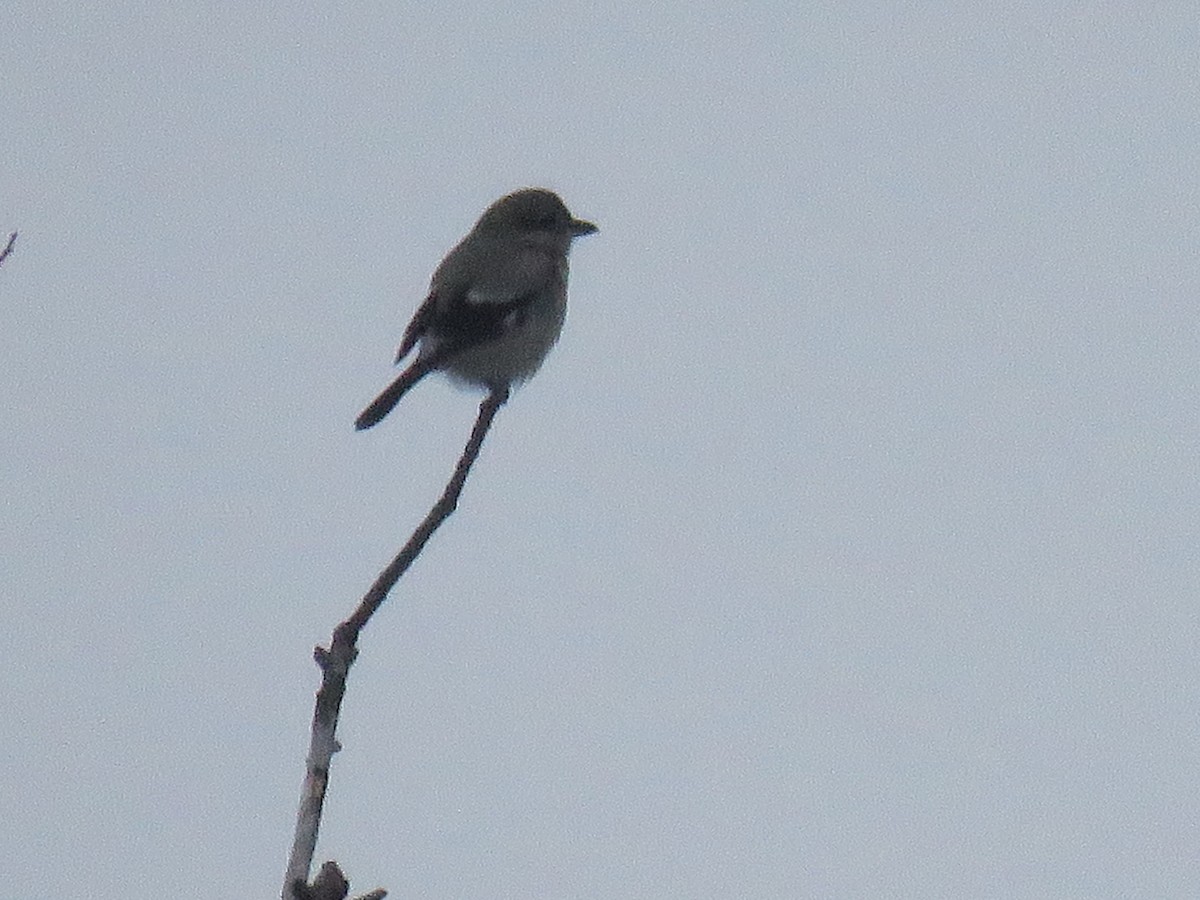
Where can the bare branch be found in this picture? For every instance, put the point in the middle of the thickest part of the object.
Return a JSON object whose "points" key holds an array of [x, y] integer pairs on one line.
{"points": [[336, 661], [8, 248], [348, 631]]}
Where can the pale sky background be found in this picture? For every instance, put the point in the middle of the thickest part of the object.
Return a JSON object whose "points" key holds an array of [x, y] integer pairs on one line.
{"points": [[848, 545]]}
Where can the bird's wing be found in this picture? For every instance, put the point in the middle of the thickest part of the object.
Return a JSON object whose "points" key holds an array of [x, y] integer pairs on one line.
{"points": [[477, 316], [477, 295], [464, 318], [420, 323]]}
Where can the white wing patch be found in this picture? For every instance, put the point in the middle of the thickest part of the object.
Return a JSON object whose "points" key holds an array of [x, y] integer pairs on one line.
{"points": [[479, 297]]}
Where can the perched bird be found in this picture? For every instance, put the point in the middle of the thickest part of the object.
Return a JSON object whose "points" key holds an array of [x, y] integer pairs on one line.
{"points": [[496, 303]]}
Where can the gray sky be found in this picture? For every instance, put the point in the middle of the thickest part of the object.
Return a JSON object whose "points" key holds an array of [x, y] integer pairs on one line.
{"points": [[846, 546]]}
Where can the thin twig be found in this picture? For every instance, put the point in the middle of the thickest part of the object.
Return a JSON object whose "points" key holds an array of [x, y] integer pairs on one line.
{"points": [[348, 631], [8, 248], [336, 661]]}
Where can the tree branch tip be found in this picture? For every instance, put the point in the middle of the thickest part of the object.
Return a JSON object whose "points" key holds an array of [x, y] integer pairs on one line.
{"points": [[8, 248]]}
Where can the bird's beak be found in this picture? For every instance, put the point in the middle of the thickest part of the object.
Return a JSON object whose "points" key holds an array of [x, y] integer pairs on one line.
{"points": [[579, 228]]}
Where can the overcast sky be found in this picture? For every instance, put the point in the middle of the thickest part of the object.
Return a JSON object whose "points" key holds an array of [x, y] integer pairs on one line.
{"points": [[848, 544]]}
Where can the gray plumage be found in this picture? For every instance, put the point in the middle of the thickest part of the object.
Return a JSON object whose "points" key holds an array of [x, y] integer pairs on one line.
{"points": [[496, 303]]}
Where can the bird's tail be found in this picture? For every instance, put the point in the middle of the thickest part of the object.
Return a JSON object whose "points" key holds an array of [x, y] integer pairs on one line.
{"points": [[385, 402]]}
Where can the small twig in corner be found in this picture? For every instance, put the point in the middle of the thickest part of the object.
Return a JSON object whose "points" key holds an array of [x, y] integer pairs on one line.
{"points": [[8, 248]]}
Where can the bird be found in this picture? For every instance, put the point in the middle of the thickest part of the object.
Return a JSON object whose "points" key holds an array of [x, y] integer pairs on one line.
{"points": [[496, 302]]}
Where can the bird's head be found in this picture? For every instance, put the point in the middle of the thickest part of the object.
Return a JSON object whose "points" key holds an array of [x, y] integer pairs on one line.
{"points": [[533, 212]]}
